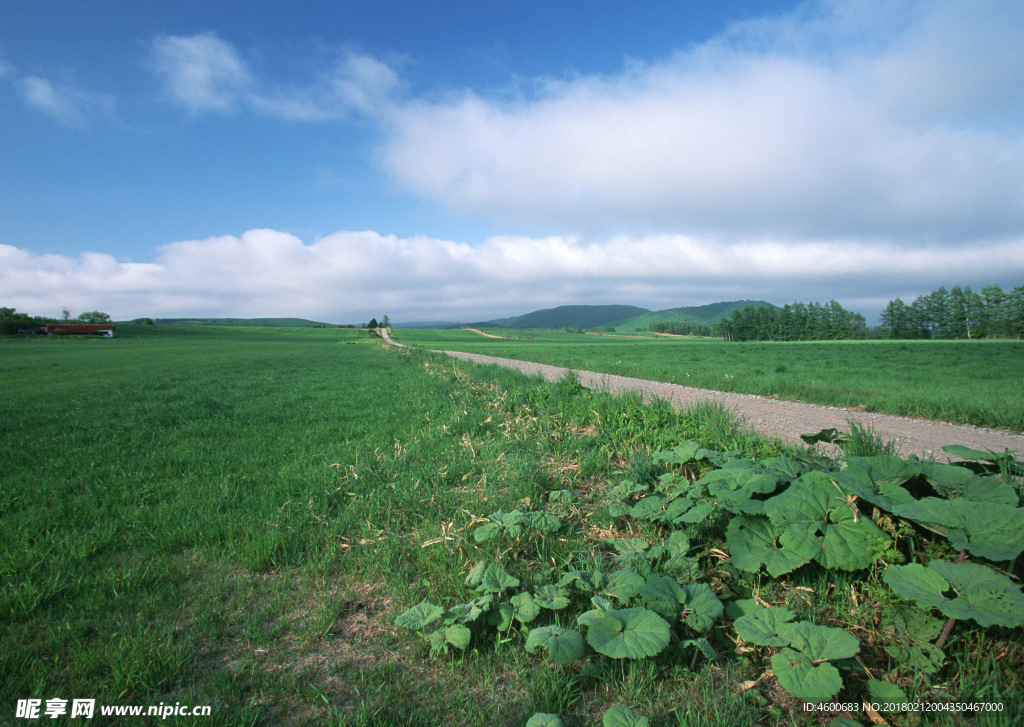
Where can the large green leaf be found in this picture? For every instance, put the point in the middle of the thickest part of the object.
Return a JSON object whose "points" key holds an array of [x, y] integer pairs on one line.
{"points": [[687, 511], [701, 644], [632, 633], [524, 608], [501, 617], [467, 612], [800, 676], [981, 594], [584, 580], [563, 645], [911, 631], [622, 716], [952, 481], [496, 580], [753, 542], [785, 469], [820, 643], [649, 508], [544, 719], [626, 489], [624, 584], [761, 625], [816, 521], [884, 469], [551, 597], [678, 543], [828, 436], [701, 607], [681, 454], [996, 533], [696, 603], [663, 596], [419, 616], [859, 479], [734, 489], [958, 450], [544, 522], [882, 692], [458, 636], [509, 524]]}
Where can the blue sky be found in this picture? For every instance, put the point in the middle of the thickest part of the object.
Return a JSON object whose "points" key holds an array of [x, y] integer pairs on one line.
{"points": [[469, 160]]}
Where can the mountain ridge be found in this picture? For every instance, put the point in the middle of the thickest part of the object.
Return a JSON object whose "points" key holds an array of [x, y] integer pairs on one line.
{"points": [[610, 316]]}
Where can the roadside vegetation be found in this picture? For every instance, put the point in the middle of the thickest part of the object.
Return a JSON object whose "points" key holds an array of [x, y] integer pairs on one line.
{"points": [[300, 527], [968, 382]]}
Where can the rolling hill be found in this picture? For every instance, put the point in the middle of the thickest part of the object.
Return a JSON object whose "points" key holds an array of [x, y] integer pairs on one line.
{"points": [[709, 314], [274, 322], [568, 316], [620, 317]]}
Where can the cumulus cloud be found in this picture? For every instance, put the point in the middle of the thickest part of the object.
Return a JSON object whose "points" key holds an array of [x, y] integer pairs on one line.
{"points": [[905, 124], [204, 73], [200, 72], [64, 104], [350, 276]]}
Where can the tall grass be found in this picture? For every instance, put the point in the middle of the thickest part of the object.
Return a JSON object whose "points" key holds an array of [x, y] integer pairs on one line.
{"points": [[232, 517], [973, 382]]}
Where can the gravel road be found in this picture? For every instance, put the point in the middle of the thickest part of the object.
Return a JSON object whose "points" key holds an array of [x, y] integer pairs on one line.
{"points": [[777, 418]]}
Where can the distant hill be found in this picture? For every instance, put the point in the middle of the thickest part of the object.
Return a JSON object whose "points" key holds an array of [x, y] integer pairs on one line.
{"points": [[568, 316], [426, 324], [709, 314], [620, 317], [274, 322]]}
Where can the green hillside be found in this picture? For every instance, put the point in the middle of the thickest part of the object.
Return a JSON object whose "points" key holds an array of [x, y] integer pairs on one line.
{"points": [[569, 316], [709, 314], [272, 322]]}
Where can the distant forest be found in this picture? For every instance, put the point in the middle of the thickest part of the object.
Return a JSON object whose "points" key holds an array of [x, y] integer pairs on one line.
{"points": [[942, 314], [958, 313], [796, 322]]}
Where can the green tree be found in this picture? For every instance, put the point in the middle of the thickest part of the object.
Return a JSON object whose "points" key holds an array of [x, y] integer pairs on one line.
{"points": [[385, 322], [93, 316], [373, 323]]}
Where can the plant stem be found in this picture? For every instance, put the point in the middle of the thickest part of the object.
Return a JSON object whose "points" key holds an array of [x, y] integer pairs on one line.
{"points": [[949, 624]]}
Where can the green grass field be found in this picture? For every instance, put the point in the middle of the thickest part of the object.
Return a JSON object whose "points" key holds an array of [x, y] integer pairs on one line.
{"points": [[971, 382], [236, 518]]}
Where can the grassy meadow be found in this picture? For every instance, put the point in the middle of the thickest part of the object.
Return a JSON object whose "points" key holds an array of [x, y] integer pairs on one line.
{"points": [[232, 517], [236, 517], [970, 382]]}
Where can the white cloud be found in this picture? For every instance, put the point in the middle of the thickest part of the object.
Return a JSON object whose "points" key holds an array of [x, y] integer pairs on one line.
{"points": [[350, 276], [842, 119], [66, 105], [201, 72], [204, 73]]}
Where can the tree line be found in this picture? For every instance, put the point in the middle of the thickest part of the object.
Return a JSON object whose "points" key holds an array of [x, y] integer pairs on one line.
{"points": [[682, 328], [957, 313], [11, 321], [793, 322]]}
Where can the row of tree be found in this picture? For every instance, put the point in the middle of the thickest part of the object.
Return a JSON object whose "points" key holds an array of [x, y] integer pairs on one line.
{"points": [[796, 322], [957, 313], [682, 328], [11, 321]]}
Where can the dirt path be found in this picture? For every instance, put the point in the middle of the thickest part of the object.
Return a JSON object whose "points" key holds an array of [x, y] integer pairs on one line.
{"points": [[477, 330], [777, 418]]}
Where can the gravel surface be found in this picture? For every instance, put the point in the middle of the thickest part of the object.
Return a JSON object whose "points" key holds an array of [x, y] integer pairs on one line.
{"points": [[778, 418]]}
